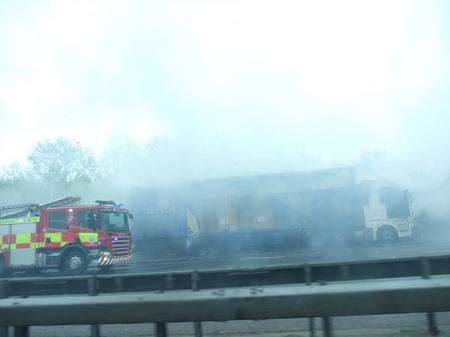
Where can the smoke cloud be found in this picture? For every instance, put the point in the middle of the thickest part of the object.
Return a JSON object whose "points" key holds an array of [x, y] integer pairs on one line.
{"points": [[163, 92]]}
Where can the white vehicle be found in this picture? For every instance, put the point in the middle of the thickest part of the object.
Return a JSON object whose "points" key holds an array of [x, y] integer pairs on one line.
{"points": [[387, 211]]}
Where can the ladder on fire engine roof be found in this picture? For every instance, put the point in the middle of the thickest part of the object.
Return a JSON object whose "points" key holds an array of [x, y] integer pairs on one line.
{"points": [[18, 210]]}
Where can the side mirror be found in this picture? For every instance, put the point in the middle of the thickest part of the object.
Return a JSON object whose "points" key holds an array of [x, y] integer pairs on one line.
{"points": [[131, 216]]}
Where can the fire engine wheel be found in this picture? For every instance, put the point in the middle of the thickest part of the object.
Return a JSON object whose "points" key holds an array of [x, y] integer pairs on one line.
{"points": [[74, 262], [2, 266], [387, 234]]}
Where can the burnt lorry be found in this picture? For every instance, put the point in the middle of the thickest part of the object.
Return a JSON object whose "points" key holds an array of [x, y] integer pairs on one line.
{"points": [[274, 211]]}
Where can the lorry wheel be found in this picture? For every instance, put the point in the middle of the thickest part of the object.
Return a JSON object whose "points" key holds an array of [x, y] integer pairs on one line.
{"points": [[387, 234], [195, 251], [74, 262], [317, 242]]}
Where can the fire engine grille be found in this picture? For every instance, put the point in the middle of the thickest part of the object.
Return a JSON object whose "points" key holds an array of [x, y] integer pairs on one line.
{"points": [[121, 244]]}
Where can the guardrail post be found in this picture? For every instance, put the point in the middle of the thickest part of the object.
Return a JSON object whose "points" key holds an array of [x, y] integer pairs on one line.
{"points": [[169, 281], [198, 329], [431, 316], [432, 325], [425, 267], [327, 329], [18, 331], [4, 293], [21, 331], [312, 329], [345, 272], [119, 283], [161, 329], [195, 278], [93, 291], [307, 272], [308, 278]]}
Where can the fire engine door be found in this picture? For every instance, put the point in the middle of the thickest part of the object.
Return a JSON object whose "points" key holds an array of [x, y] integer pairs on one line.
{"points": [[22, 251], [4, 233]]}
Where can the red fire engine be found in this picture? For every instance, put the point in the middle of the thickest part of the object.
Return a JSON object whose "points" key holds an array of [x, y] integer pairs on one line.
{"points": [[64, 234]]}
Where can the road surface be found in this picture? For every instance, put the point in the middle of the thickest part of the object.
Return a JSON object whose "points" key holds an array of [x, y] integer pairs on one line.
{"points": [[145, 263], [374, 326]]}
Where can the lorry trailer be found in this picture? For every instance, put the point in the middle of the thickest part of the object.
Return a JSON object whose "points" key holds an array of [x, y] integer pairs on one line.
{"points": [[285, 210]]}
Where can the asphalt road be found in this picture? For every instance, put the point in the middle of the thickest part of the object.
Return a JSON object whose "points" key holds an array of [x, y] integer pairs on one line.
{"points": [[381, 325], [143, 262]]}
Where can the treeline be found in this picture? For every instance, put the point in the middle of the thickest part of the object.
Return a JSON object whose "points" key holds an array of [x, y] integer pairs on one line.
{"points": [[52, 168], [56, 168]]}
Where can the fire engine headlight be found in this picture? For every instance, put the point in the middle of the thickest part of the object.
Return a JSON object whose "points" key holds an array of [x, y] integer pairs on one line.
{"points": [[105, 253]]}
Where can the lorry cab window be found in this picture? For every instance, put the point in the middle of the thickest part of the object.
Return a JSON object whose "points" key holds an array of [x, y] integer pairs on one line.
{"points": [[397, 203], [58, 220]]}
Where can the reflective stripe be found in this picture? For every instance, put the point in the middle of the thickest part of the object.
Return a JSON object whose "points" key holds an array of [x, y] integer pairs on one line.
{"points": [[3, 242], [51, 240], [53, 237], [88, 237], [15, 221], [112, 260], [58, 239], [23, 238]]}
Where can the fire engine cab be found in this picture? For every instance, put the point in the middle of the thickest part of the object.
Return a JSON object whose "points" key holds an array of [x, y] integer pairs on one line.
{"points": [[64, 234]]}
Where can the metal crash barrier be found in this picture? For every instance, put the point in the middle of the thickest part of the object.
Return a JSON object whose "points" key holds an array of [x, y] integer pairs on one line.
{"points": [[294, 291], [369, 297], [234, 277]]}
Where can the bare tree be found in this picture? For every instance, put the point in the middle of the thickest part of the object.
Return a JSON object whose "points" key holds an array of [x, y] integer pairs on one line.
{"points": [[62, 163]]}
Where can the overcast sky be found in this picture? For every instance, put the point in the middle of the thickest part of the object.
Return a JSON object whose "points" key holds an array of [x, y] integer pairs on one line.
{"points": [[240, 80]]}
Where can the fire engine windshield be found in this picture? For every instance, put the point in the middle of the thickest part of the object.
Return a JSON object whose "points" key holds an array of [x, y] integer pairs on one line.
{"points": [[113, 221]]}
